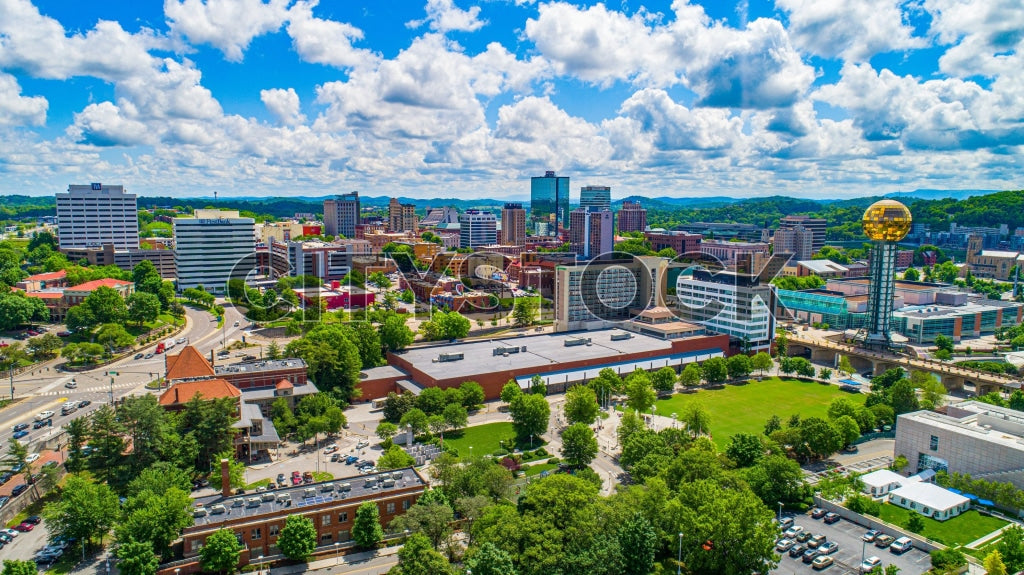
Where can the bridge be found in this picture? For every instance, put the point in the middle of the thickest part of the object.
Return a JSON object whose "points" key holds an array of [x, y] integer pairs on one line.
{"points": [[952, 376]]}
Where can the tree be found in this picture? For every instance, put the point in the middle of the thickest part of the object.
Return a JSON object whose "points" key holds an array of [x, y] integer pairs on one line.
{"points": [[781, 344], [106, 305], [431, 516], [637, 541], [416, 419], [487, 560], [664, 380], [85, 510], [367, 341], [298, 537], [640, 395], [716, 370], [825, 373], [745, 449], [455, 416], [524, 311], [903, 397], [46, 346], [379, 279], [17, 309], [821, 437], [395, 457], [761, 361], [884, 415], [530, 415], [944, 342], [114, 336], [394, 334], [845, 367], [696, 418], [431, 401], [739, 366], [16, 567], [136, 558], [538, 386], [333, 360], [1011, 548], [579, 446], [385, 431], [417, 557], [841, 406], [510, 391], [690, 377], [848, 429], [933, 393], [79, 318], [366, 529], [143, 307], [445, 325], [994, 564], [773, 424], [776, 478], [472, 394], [915, 524], [912, 275], [581, 405], [220, 552]]}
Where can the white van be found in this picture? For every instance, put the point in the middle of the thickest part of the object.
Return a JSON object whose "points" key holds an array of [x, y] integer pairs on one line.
{"points": [[902, 545]]}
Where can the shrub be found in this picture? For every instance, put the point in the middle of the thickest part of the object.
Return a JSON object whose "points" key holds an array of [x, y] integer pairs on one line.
{"points": [[540, 452], [554, 461]]}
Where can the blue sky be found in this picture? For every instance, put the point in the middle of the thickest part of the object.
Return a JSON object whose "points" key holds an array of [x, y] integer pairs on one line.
{"points": [[455, 98]]}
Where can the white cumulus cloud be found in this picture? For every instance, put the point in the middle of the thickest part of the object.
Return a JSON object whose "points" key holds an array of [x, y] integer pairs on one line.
{"points": [[444, 16], [851, 29], [18, 110], [229, 25], [284, 105]]}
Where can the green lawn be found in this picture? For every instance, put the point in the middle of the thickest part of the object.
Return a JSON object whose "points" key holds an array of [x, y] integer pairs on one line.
{"points": [[959, 530], [532, 470], [485, 439], [746, 408]]}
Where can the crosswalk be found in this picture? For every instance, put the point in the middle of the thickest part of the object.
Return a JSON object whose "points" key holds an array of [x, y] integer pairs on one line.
{"points": [[98, 388]]}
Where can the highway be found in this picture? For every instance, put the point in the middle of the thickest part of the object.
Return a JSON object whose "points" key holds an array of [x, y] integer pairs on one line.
{"points": [[42, 390]]}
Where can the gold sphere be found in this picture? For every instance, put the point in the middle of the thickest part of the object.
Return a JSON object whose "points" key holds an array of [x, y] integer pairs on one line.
{"points": [[886, 221]]}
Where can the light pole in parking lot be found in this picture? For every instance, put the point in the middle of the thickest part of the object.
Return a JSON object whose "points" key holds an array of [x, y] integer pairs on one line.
{"points": [[679, 560], [780, 511], [863, 546]]}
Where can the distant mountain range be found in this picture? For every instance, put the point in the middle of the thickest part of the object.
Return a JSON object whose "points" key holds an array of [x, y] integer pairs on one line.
{"points": [[939, 194]]}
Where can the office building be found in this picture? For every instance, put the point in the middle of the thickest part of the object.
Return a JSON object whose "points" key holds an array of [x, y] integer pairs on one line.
{"points": [[797, 240], [984, 441], [401, 217], [729, 253], [591, 232], [724, 230], [95, 215], [597, 197], [477, 228], [600, 293], [211, 246], [513, 225], [341, 215], [327, 261], [549, 203], [681, 242], [816, 226], [632, 217], [737, 305], [439, 216]]}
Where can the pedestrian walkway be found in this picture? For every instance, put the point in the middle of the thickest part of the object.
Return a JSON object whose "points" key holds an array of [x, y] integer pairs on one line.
{"points": [[380, 558]]}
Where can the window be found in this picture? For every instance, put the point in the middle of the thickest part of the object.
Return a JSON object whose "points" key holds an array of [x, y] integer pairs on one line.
{"points": [[343, 517], [405, 505], [195, 544], [934, 443], [257, 534], [325, 520], [391, 507], [273, 530], [326, 537]]}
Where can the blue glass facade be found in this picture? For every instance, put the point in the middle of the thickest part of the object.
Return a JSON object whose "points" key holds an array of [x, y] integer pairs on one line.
{"points": [[549, 201]]}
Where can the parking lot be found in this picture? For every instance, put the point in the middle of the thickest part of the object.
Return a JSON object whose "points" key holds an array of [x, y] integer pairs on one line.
{"points": [[848, 558]]}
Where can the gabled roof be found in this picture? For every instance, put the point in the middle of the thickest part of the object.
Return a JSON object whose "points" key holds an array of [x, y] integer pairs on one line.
{"points": [[48, 276], [284, 384], [188, 364], [206, 389], [95, 284]]}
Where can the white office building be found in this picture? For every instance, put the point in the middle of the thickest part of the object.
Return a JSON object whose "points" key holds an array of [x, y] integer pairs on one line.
{"points": [[211, 246], [95, 215], [477, 228], [729, 303]]}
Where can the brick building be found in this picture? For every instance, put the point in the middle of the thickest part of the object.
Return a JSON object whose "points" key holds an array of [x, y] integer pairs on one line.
{"points": [[681, 242]]}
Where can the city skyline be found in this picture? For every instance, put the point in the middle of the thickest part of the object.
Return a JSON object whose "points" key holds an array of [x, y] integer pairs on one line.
{"points": [[460, 99]]}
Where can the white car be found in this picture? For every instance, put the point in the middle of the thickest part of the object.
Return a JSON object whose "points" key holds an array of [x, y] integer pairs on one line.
{"points": [[362, 443], [71, 385], [331, 448], [44, 416], [792, 532], [31, 457], [10, 532], [869, 564]]}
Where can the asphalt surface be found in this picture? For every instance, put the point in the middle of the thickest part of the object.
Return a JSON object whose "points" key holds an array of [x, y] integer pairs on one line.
{"points": [[849, 556]]}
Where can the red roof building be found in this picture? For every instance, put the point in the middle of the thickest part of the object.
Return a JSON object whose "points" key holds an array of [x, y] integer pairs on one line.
{"points": [[188, 364], [181, 393]]}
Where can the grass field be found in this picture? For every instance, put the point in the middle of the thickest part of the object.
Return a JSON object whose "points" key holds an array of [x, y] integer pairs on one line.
{"points": [[745, 408], [959, 530], [486, 439]]}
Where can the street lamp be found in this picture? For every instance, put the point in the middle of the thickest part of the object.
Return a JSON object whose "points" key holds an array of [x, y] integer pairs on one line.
{"points": [[337, 557], [679, 561], [780, 512], [259, 564]]}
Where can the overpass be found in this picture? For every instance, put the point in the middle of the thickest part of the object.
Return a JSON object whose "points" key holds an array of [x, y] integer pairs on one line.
{"points": [[952, 376]]}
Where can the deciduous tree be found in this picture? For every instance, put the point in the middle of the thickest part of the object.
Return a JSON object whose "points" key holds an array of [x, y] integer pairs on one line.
{"points": [[579, 446], [366, 529], [298, 537], [220, 552], [581, 405]]}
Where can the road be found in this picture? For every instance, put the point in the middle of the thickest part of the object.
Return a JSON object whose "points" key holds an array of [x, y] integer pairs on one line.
{"points": [[44, 389]]}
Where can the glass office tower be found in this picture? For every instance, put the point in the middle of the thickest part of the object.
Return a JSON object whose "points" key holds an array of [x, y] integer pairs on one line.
{"points": [[549, 203]]}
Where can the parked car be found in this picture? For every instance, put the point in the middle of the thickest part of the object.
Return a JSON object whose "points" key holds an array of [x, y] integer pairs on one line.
{"points": [[64, 333], [804, 537], [139, 355], [19, 434], [785, 523], [20, 426], [32, 457], [18, 489], [883, 541], [362, 443], [797, 550], [816, 541], [331, 448], [784, 545], [11, 532], [236, 324], [792, 532], [24, 527], [71, 385], [34, 520], [829, 547], [307, 477], [901, 545], [831, 518], [280, 478], [869, 564], [871, 535], [84, 403], [822, 562], [810, 555], [3, 500], [818, 513], [351, 459], [5, 477]]}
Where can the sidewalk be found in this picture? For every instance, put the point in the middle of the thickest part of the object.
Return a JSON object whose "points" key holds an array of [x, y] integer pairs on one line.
{"points": [[344, 563]]}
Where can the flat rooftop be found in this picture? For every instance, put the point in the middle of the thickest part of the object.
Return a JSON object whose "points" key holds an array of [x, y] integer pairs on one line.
{"points": [[294, 498], [543, 352], [260, 366], [969, 426]]}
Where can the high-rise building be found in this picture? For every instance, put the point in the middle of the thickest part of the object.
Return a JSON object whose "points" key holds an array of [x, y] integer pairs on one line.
{"points": [[601, 293], [632, 217], [513, 225], [477, 228], [401, 217], [591, 232], [213, 247], [599, 197], [885, 222], [816, 226], [327, 261], [797, 240], [549, 203], [96, 215], [341, 215], [737, 305], [438, 216]]}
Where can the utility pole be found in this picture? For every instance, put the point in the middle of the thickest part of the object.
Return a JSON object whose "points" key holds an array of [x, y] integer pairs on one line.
{"points": [[111, 392]]}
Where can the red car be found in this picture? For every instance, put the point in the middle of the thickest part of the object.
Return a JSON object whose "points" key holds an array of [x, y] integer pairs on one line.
{"points": [[296, 478], [23, 527]]}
